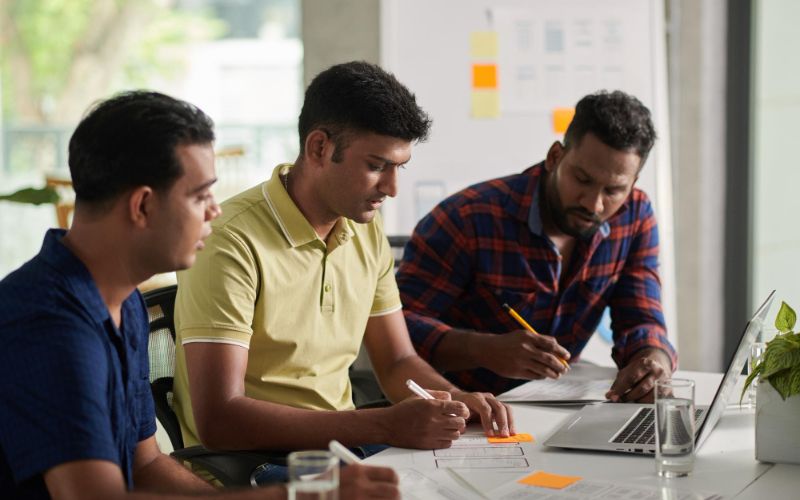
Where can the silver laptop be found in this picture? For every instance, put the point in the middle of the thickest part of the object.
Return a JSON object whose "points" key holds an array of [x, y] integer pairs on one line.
{"points": [[629, 428]]}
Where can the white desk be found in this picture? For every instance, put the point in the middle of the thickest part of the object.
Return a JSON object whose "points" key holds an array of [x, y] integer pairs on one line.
{"points": [[725, 463]]}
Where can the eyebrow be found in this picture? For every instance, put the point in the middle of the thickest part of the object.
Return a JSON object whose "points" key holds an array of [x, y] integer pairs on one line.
{"points": [[203, 186], [590, 176], [387, 161]]}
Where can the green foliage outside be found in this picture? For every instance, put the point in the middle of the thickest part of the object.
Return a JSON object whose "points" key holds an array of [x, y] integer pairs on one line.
{"points": [[58, 56], [780, 364]]}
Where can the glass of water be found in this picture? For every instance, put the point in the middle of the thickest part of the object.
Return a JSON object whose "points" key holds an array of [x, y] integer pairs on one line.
{"points": [[675, 425], [756, 353], [313, 475]]}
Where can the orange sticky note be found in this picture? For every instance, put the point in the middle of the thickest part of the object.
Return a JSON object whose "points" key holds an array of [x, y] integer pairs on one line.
{"points": [[547, 480], [562, 117], [484, 76], [516, 438]]}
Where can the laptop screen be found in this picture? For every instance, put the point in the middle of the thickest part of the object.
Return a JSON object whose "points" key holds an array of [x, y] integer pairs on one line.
{"points": [[751, 331]]}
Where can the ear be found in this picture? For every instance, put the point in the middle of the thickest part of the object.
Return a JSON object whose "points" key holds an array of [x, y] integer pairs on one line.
{"points": [[141, 206], [554, 156], [318, 148]]}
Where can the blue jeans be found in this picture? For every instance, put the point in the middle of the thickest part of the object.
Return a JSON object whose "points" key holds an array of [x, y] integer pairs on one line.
{"points": [[268, 473]]}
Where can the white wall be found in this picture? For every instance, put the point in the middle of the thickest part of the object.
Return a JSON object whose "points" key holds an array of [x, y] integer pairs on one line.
{"points": [[776, 109]]}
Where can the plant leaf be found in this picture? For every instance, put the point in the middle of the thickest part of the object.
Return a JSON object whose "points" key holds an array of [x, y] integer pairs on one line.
{"points": [[781, 361], [33, 196], [753, 374], [794, 381], [785, 319], [782, 382]]}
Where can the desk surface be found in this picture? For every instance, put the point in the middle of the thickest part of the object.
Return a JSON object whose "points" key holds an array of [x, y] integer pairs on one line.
{"points": [[725, 464]]}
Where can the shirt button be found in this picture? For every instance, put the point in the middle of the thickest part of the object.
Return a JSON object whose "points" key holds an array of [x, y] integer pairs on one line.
{"points": [[327, 287], [344, 236]]}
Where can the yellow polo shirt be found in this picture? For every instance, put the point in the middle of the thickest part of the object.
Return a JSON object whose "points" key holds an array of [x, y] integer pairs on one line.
{"points": [[266, 282]]}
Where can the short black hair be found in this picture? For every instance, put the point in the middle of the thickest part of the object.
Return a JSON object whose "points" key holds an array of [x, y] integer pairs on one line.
{"points": [[129, 140], [358, 97], [617, 119]]}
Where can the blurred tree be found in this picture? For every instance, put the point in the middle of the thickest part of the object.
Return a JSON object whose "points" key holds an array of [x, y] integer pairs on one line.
{"points": [[58, 56]]}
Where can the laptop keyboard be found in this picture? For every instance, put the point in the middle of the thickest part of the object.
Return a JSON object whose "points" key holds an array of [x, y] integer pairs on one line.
{"points": [[641, 428]]}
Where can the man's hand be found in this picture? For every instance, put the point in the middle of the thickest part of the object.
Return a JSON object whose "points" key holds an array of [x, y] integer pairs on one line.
{"points": [[426, 423], [363, 481], [636, 382], [491, 412], [520, 354]]}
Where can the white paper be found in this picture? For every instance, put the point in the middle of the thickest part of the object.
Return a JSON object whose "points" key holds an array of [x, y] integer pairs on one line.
{"points": [[558, 391], [433, 485], [586, 488]]}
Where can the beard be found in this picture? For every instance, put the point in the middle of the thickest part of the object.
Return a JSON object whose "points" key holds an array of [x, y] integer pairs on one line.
{"points": [[559, 215], [561, 220]]}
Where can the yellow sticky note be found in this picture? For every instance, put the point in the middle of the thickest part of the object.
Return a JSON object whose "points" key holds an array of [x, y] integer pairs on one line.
{"points": [[485, 104], [483, 44], [562, 117], [484, 76], [547, 480], [516, 438]]}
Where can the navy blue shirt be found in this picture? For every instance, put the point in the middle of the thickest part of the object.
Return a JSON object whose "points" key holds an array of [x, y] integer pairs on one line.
{"points": [[72, 385]]}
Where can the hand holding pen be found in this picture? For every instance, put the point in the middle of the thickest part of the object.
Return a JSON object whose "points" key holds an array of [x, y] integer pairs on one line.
{"points": [[519, 354]]}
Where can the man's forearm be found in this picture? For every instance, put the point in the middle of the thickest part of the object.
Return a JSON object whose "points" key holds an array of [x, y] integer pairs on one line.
{"points": [[411, 367], [166, 475], [246, 424], [459, 350]]}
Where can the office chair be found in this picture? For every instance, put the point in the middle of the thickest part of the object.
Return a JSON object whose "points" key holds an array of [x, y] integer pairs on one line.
{"points": [[231, 468]]}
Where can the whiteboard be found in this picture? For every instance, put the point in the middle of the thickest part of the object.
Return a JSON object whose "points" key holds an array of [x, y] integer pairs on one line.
{"points": [[549, 55]]}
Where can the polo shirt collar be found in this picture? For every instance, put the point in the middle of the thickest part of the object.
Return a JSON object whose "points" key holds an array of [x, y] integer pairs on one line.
{"points": [[293, 224]]}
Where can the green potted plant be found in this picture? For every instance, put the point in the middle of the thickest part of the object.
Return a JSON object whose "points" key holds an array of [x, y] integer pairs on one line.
{"points": [[778, 393]]}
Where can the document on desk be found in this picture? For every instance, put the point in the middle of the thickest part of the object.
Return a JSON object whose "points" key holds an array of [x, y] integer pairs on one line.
{"points": [[471, 451], [594, 489], [434, 485], [563, 391]]}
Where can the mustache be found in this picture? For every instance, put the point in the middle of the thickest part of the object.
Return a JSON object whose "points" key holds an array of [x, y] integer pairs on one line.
{"points": [[583, 213]]}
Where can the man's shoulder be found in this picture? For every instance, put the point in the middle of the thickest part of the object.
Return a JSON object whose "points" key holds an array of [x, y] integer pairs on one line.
{"points": [[639, 205], [509, 194], [33, 292], [242, 208]]}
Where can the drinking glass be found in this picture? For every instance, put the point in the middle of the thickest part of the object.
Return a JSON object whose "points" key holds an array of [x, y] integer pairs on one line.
{"points": [[313, 475], [675, 425], [756, 353]]}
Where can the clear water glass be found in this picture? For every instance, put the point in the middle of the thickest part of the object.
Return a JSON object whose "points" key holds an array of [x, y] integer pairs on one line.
{"points": [[313, 475], [756, 353], [675, 427]]}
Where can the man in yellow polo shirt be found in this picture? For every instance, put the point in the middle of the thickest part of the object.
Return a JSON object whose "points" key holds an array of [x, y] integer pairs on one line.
{"points": [[295, 274]]}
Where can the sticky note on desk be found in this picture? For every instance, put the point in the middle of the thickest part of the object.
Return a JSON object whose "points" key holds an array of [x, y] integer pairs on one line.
{"points": [[516, 438], [547, 480]]}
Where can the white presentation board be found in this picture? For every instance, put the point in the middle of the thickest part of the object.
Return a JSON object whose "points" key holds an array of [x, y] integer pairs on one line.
{"points": [[547, 55]]}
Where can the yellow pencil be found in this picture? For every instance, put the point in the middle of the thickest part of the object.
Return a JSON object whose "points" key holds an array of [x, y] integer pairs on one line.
{"points": [[525, 325]]}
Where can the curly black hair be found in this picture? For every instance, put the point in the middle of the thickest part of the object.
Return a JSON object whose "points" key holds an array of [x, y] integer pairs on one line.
{"points": [[618, 119], [358, 97]]}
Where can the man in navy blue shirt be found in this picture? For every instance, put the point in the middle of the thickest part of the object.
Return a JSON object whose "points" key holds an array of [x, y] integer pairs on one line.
{"points": [[77, 418]]}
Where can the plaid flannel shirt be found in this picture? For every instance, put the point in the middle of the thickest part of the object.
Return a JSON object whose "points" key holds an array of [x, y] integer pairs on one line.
{"points": [[484, 247]]}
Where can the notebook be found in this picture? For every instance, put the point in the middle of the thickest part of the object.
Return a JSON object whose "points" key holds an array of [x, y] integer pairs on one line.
{"points": [[628, 428]]}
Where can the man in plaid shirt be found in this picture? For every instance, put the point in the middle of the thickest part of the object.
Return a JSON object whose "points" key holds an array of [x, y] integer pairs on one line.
{"points": [[558, 243]]}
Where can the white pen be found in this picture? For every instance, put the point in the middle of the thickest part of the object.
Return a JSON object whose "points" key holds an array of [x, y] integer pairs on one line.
{"points": [[419, 391], [343, 453]]}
